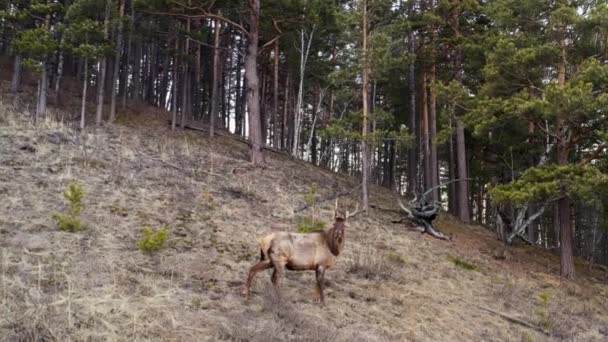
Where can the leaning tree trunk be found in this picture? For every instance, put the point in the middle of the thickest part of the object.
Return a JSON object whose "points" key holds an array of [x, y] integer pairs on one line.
{"points": [[253, 85], [299, 110]]}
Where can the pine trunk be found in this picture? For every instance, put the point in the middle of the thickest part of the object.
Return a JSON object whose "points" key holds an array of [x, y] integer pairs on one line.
{"points": [[426, 148], [43, 87], [17, 70], [186, 78], [412, 161], [463, 191], [433, 163], [101, 79], [275, 98], [313, 132], [563, 151], [137, 70], [239, 99], [116, 69], [284, 128], [197, 82], [85, 83], [253, 86], [263, 118], [174, 84], [462, 188], [213, 114], [365, 124], [452, 202], [124, 81], [100, 91], [58, 77]]}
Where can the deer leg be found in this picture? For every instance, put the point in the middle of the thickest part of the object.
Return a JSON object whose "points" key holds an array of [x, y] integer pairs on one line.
{"points": [[260, 266], [279, 269], [320, 273], [275, 277]]}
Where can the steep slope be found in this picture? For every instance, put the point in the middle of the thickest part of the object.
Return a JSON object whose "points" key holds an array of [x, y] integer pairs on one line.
{"points": [[391, 284]]}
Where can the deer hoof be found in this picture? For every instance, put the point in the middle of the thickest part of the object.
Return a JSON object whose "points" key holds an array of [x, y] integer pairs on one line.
{"points": [[319, 300]]}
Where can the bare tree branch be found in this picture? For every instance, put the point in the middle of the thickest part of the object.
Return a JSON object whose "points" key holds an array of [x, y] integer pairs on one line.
{"points": [[508, 317], [331, 197]]}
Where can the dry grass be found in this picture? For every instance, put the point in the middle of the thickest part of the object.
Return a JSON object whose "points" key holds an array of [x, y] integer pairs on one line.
{"points": [[369, 264], [390, 284]]}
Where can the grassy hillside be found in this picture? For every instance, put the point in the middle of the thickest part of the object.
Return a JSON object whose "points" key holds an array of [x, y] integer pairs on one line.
{"points": [[391, 283]]}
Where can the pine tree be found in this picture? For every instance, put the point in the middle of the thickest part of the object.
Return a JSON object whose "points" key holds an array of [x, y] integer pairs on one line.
{"points": [[553, 83]]}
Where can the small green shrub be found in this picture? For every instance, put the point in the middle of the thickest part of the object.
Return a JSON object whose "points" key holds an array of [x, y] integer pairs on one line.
{"points": [[463, 264], [208, 200], [70, 222], [311, 196], [310, 225], [153, 241], [543, 312], [67, 223]]}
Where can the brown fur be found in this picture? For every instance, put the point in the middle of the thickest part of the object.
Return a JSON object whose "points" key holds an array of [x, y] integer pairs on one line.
{"points": [[300, 252]]}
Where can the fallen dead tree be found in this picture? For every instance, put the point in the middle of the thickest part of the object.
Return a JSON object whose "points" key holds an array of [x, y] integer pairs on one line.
{"points": [[422, 212]]}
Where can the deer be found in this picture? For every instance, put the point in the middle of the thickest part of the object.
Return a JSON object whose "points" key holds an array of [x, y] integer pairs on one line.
{"points": [[316, 251]]}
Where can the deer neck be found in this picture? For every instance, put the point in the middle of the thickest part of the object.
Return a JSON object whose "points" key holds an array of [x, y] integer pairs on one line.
{"points": [[335, 238]]}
